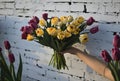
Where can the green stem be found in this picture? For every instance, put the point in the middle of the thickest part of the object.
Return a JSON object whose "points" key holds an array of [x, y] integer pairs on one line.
{"points": [[114, 71], [58, 61]]}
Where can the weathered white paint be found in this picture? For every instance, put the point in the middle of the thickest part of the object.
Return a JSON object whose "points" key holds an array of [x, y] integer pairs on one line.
{"points": [[16, 13]]}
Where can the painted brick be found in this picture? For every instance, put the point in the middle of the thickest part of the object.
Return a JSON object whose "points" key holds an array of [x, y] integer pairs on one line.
{"points": [[6, 12], [29, 5], [9, 5], [58, 0], [112, 8], [2, 18], [93, 1], [2, 11], [92, 7], [19, 5], [7, 0], [60, 5], [116, 0], [48, 7], [2, 5], [77, 7]]}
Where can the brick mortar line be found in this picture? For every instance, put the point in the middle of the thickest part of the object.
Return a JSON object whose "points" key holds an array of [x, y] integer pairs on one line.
{"points": [[7, 2]]}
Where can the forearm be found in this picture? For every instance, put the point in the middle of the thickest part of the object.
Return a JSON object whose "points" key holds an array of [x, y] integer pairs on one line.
{"points": [[95, 64]]}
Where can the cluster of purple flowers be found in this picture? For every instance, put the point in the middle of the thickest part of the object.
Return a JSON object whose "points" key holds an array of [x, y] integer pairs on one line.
{"points": [[114, 60], [32, 25], [10, 54], [115, 51], [8, 71], [30, 28]]}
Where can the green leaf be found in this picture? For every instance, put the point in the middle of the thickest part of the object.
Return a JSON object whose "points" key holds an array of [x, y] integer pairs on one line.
{"points": [[13, 71], [20, 68], [53, 43], [63, 27], [82, 26], [5, 70]]}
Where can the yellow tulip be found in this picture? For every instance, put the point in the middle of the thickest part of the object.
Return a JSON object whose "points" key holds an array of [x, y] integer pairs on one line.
{"points": [[67, 34], [76, 31], [80, 19], [60, 23], [61, 35], [71, 28], [39, 32], [42, 22], [75, 23], [51, 31], [54, 21], [30, 37], [58, 30], [83, 38], [64, 19]]}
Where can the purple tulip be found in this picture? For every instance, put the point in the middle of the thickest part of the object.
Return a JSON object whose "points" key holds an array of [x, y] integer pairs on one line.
{"points": [[116, 54], [7, 45], [45, 16], [27, 29], [116, 41], [34, 20], [90, 21], [31, 21], [24, 35], [22, 29], [11, 57], [33, 26], [94, 30], [106, 56]]}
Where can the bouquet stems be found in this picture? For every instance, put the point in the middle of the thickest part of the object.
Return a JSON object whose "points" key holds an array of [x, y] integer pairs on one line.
{"points": [[58, 60]]}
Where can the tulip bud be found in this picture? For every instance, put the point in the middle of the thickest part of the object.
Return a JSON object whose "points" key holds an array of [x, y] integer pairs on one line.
{"points": [[36, 19], [116, 41], [45, 16], [70, 18], [94, 30], [7, 45], [116, 54], [24, 36], [105, 55], [11, 57], [90, 21]]}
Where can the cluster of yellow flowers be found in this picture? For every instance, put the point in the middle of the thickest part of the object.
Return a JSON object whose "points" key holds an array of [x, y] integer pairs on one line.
{"points": [[71, 27], [57, 33]]}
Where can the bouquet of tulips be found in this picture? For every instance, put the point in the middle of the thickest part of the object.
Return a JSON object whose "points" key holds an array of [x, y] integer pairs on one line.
{"points": [[57, 33], [7, 72], [114, 61]]}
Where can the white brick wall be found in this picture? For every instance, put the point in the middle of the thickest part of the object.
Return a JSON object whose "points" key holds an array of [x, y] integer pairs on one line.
{"points": [[16, 13]]}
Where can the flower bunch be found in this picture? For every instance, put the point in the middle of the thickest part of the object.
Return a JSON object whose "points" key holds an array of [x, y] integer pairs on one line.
{"points": [[57, 33], [114, 60], [8, 72]]}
